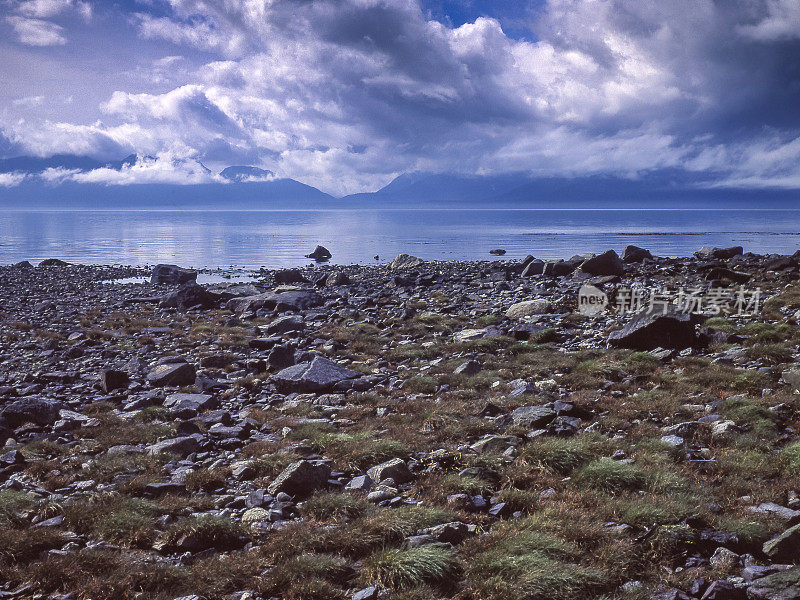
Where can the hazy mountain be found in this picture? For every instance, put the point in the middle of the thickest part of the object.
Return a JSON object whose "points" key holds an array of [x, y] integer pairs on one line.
{"points": [[246, 174], [249, 187]]}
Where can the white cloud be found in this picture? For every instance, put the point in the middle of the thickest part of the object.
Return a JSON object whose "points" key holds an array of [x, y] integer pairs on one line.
{"points": [[11, 179], [343, 94], [35, 32]]}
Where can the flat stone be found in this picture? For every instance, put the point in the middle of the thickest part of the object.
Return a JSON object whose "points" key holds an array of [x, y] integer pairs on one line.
{"points": [[532, 416], [396, 469], [319, 375], [172, 374], [649, 331], [778, 586], [182, 446]]}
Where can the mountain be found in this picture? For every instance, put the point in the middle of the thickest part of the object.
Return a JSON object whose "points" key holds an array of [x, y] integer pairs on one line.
{"points": [[248, 187], [246, 174], [667, 188]]}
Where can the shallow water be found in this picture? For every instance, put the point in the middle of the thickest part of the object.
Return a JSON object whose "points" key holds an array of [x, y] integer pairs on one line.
{"points": [[280, 238]]}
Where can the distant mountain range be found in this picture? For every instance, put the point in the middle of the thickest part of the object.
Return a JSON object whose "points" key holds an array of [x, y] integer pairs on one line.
{"points": [[243, 187]]}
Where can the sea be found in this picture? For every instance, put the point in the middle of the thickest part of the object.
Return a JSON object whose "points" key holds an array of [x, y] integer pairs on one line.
{"points": [[282, 237]]}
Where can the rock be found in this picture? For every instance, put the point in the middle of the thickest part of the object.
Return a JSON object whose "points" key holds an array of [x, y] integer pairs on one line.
{"points": [[300, 479], [559, 268], [497, 252], [29, 410], [494, 443], [182, 446], [469, 368], [675, 441], [451, 533], [534, 267], [528, 308], [186, 406], [792, 377], [254, 518], [53, 262], [360, 483], [782, 512], [532, 417], [281, 357], [111, 380], [607, 263], [320, 253], [784, 546], [368, 593], [295, 300], [778, 586], [724, 590], [469, 335], [190, 295], [172, 275], [172, 374], [634, 254], [706, 253], [649, 331], [396, 469], [405, 261], [724, 560], [321, 374], [285, 324], [289, 276]]}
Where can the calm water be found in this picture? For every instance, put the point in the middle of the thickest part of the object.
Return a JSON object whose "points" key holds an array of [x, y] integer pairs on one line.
{"points": [[280, 238]]}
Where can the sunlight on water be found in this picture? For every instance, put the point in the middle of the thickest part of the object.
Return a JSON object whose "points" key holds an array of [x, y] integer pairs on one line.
{"points": [[281, 238]]}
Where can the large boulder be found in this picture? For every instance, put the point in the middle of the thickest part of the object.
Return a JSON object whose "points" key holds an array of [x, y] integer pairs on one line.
{"points": [[607, 263], [784, 546], [634, 254], [559, 268], [528, 308], [29, 410], [294, 300], [180, 446], [320, 253], [648, 331], [405, 261], [396, 469], [289, 276], [706, 253], [190, 295], [186, 406], [319, 375], [300, 479], [172, 374], [172, 275], [532, 417], [784, 585], [111, 379]]}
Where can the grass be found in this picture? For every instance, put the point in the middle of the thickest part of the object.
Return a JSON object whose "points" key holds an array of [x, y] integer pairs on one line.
{"points": [[206, 531], [335, 506], [610, 476], [402, 569], [357, 451], [518, 564]]}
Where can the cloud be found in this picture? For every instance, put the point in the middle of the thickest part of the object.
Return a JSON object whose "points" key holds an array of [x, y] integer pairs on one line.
{"points": [[11, 179], [782, 21], [45, 9], [36, 32], [345, 94]]}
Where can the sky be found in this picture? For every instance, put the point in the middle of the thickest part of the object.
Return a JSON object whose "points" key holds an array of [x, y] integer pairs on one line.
{"points": [[345, 95]]}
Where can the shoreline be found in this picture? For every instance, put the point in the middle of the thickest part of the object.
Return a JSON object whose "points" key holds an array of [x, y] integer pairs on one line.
{"points": [[316, 425]]}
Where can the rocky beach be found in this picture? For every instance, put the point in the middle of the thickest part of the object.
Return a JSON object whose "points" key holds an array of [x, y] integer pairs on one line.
{"points": [[412, 430]]}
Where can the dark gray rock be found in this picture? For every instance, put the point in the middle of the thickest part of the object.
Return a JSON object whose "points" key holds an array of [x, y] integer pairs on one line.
{"points": [[29, 410], [784, 546], [181, 446], [190, 295], [172, 374], [778, 586], [649, 331], [320, 253], [634, 254], [607, 263], [469, 368], [532, 417], [321, 374], [288, 276], [172, 275], [186, 406], [285, 324], [281, 357], [111, 380], [300, 479]]}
